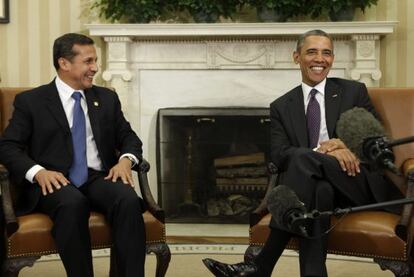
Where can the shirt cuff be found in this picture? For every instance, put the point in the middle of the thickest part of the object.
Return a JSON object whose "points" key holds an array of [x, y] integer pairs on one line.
{"points": [[317, 147], [31, 173], [130, 156]]}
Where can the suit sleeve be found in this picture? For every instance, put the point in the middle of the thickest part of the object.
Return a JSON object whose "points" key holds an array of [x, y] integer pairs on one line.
{"points": [[126, 139], [281, 146], [15, 139]]}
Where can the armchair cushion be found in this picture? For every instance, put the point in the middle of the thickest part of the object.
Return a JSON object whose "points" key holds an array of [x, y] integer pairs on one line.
{"points": [[364, 234], [33, 236]]}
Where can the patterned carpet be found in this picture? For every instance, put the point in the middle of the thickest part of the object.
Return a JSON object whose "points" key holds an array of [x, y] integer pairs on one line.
{"points": [[186, 261]]}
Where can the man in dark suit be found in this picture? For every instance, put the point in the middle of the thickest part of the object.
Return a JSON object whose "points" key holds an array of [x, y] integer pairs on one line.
{"points": [[318, 167], [71, 147]]}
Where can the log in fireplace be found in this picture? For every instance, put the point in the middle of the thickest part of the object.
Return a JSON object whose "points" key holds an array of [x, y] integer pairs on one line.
{"points": [[211, 162]]}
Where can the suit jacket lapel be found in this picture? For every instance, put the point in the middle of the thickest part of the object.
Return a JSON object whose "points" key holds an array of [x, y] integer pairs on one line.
{"points": [[333, 98], [55, 106], [93, 103], [297, 114]]}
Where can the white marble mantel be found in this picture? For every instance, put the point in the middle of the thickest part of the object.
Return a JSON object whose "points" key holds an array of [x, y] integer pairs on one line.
{"points": [[239, 29], [154, 66]]}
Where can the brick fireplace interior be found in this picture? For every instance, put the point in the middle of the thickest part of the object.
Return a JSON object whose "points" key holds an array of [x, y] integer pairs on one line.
{"points": [[211, 163]]}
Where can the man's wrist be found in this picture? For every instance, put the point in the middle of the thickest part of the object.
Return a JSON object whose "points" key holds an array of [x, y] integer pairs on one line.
{"points": [[133, 163], [131, 159], [31, 173]]}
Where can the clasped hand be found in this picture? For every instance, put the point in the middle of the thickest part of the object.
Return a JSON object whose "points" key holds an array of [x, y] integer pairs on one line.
{"points": [[50, 180], [347, 160]]}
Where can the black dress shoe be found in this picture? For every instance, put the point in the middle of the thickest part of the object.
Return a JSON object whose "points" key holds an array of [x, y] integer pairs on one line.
{"points": [[230, 270]]}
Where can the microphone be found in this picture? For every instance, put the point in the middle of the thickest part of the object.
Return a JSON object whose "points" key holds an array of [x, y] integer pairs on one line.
{"points": [[364, 135], [377, 149], [288, 212]]}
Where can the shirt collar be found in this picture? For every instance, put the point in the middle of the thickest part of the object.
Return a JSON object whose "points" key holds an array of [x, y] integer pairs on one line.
{"points": [[65, 91], [319, 87]]}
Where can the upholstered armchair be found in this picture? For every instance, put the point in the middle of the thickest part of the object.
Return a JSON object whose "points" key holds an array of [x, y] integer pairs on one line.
{"points": [[383, 236], [28, 237]]}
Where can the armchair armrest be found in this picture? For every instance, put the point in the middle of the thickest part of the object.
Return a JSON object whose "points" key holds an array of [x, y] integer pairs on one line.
{"points": [[152, 206], [9, 215], [406, 216], [408, 167], [261, 210]]}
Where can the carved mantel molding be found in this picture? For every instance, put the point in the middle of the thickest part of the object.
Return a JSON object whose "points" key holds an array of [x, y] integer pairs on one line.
{"points": [[239, 29], [235, 45]]}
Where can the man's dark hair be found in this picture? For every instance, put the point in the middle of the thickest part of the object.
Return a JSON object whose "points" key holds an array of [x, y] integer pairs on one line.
{"points": [[301, 39], [63, 46]]}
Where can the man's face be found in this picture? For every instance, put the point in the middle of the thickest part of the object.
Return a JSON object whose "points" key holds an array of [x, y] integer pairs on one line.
{"points": [[315, 59], [79, 72]]}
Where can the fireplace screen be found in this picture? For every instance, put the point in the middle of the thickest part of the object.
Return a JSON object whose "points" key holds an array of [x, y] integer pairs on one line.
{"points": [[212, 163]]}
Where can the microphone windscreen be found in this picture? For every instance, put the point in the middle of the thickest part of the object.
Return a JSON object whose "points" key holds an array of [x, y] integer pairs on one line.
{"points": [[354, 126], [281, 202]]}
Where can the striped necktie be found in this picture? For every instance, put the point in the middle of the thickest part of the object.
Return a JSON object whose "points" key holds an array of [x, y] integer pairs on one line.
{"points": [[313, 119], [78, 173]]}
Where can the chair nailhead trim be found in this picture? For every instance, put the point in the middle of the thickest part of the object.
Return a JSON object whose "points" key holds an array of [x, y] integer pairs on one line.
{"points": [[346, 253], [41, 253]]}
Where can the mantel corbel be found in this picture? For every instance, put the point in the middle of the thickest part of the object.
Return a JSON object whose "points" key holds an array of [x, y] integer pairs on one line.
{"points": [[117, 73], [366, 59], [109, 75]]}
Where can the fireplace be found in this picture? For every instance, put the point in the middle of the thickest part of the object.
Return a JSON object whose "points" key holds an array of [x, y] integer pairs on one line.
{"points": [[211, 162], [155, 66]]}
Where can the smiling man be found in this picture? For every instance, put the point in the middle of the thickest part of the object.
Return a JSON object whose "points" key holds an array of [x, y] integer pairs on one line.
{"points": [[312, 162], [72, 150]]}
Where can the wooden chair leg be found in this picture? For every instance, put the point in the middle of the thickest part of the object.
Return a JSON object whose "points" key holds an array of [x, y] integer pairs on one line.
{"points": [[163, 254], [113, 270], [251, 252], [12, 266], [399, 268]]}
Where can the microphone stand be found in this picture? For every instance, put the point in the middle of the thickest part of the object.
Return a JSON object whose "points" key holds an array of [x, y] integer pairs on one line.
{"points": [[316, 214], [400, 141]]}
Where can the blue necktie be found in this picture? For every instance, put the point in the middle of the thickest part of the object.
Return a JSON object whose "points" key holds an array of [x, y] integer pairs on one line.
{"points": [[313, 119], [78, 173]]}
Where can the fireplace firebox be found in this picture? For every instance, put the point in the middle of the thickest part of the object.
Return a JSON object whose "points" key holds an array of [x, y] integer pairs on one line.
{"points": [[212, 162]]}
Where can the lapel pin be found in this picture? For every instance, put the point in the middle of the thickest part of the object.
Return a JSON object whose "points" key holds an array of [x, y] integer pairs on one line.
{"points": [[335, 95], [95, 103]]}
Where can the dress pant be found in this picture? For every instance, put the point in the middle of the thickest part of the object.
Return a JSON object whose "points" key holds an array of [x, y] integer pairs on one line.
{"points": [[2, 230], [319, 183], [69, 208]]}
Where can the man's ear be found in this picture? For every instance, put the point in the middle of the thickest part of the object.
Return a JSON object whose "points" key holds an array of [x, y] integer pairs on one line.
{"points": [[63, 63], [295, 56]]}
